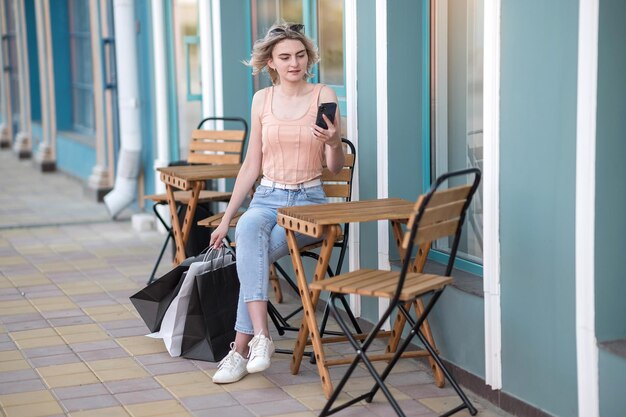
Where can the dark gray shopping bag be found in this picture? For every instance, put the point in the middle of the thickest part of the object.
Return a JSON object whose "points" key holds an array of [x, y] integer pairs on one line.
{"points": [[153, 301], [211, 314]]}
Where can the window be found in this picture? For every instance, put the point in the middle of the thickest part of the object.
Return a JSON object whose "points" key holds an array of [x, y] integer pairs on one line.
{"points": [[457, 135], [81, 62], [323, 21]]}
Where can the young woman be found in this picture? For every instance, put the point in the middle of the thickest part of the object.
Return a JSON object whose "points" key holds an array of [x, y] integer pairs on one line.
{"points": [[289, 149]]}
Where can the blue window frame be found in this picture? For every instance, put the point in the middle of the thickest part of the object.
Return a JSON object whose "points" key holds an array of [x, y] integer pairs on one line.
{"points": [[324, 23], [81, 64]]}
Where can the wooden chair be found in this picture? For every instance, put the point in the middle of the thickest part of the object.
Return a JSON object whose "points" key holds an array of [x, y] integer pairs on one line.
{"points": [[206, 147], [438, 214], [336, 186]]}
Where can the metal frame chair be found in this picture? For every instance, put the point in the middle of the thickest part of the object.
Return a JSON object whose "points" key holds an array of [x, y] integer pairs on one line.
{"points": [[206, 147], [438, 214], [335, 186]]}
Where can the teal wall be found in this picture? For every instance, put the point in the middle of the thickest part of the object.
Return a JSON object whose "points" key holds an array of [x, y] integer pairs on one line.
{"points": [[74, 157], [236, 47], [537, 202], [366, 150], [612, 379], [59, 22], [33, 60], [610, 244], [611, 174]]}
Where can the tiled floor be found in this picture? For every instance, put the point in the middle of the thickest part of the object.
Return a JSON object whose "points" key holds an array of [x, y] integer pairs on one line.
{"points": [[72, 344]]}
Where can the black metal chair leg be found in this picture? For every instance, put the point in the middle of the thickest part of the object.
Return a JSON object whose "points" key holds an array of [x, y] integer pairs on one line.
{"points": [[160, 257]]}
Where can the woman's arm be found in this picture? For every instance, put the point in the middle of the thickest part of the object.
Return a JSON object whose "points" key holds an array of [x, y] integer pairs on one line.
{"points": [[248, 173], [335, 157]]}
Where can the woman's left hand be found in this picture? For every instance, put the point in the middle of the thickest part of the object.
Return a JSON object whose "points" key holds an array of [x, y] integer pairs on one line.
{"points": [[328, 136]]}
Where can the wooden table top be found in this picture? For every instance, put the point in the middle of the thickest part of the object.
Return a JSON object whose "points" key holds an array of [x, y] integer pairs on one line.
{"points": [[181, 176], [308, 219]]}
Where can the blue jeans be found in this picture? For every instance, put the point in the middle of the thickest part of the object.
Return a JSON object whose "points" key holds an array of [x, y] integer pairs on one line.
{"points": [[260, 242]]}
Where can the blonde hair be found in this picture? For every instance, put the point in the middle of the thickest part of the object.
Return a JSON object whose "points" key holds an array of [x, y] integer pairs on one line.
{"points": [[263, 47]]}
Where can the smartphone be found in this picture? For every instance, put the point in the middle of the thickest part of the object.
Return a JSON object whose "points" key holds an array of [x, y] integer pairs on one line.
{"points": [[329, 109]]}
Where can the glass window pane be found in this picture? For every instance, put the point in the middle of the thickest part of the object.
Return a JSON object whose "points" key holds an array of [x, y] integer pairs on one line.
{"points": [[81, 65], [458, 129], [330, 32]]}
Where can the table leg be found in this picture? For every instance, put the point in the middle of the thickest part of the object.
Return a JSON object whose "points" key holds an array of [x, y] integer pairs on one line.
{"points": [[309, 301], [181, 234]]}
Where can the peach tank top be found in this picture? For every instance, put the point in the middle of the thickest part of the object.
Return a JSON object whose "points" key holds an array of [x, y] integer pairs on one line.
{"points": [[291, 154]]}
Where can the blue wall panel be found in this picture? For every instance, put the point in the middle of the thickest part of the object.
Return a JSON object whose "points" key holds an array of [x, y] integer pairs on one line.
{"points": [[33, 59], [62, 71], [75, 157], [611, 174], [537, 202], [367, 158]]}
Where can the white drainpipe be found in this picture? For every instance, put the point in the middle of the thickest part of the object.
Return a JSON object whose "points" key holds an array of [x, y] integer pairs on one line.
{"points": [[128, 164]]}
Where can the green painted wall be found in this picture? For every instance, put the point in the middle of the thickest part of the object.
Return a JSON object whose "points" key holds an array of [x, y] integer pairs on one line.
{"points": [[537, 202], [611, 174], [612, 379], [610, 202], [366, 150], [236, 47], [404, 70]]}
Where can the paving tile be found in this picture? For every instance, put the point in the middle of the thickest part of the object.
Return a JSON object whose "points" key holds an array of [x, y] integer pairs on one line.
{"points": [[382, 408], [230, 411], [27, 325], [19, 318], [203, 402], [46, 351], [171, 368], [195, 389], [425, 391], [66, 369], [10, 355], [118, 411], [44, 361], [55, 314], [59, 381], [68, 321], [276, 407], [7, 346], [31, 397], [260, 396], [33, 334], [94, 355], [88, 390], [159, 358], [98, 345], [88, 403], [40, 342], [20, 375], [157, 408], [13, 387], [146, 396], [131, 385], [16, 365], [47, 408], [141, 345]]}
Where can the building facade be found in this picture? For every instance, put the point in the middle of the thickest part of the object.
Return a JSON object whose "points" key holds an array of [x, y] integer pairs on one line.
{"points": [[109, 90]]}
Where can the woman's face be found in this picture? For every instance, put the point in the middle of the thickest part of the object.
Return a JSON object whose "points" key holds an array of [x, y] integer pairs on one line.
{"points": [[289, 59]]}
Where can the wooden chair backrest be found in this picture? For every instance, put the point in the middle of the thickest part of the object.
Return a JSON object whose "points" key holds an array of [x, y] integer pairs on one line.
{"points": [[216, 146], [340, 185]]}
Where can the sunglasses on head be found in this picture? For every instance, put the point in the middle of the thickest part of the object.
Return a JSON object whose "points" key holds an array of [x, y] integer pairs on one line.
{"points": [[298, 27]]}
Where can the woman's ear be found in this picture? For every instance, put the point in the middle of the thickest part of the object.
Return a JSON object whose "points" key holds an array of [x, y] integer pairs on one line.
{"points": [[270, 63]]}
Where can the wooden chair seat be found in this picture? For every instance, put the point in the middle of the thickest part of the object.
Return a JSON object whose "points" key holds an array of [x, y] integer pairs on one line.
{"points": [[378, 283], [214, 220], [183, 197]]}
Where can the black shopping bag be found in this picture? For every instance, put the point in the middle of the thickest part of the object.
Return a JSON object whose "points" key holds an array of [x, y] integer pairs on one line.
{"points": [[152, 302], [211, 315]]}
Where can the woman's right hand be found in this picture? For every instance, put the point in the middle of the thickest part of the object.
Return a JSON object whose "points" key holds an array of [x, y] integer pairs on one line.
{"points": [[218, 235]]}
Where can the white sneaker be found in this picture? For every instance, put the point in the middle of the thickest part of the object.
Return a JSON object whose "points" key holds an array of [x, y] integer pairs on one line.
{"points": [[261, 350], [232, 368]]}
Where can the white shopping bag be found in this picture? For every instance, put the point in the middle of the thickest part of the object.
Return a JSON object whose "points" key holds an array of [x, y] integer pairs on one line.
{"points": [[173, 323]]}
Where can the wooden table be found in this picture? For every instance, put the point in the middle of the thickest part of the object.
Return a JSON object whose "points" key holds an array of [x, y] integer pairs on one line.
{"points": [[323, 220], [190, 177]]}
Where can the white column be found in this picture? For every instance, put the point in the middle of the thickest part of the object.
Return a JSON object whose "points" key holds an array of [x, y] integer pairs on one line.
{"points": [[99, 179], [586, 343], [23, 139], [354, 260], [382, 138], [44, 155], [491, 188]]}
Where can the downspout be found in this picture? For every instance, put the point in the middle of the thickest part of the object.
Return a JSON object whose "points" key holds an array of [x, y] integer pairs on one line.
{"points": [[125, 190]]}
